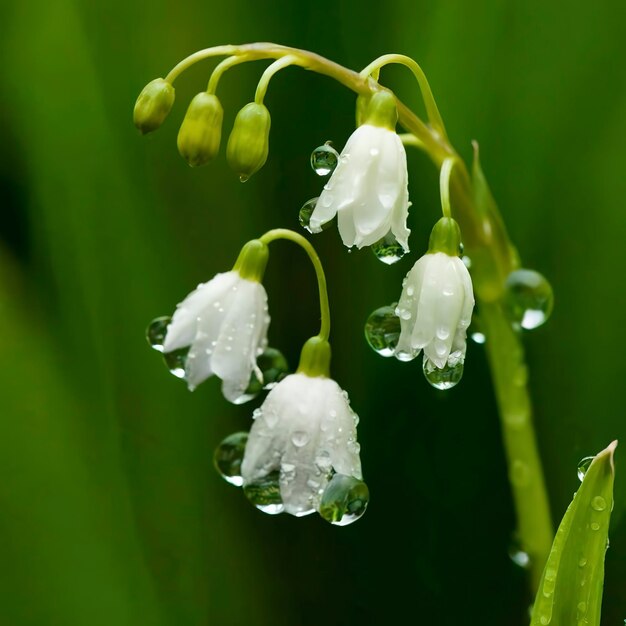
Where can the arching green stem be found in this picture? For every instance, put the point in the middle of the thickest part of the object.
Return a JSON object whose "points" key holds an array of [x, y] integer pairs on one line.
{"points": [[221, 68], [290, 235], [444, 185], [269, 72], [427, 95]]}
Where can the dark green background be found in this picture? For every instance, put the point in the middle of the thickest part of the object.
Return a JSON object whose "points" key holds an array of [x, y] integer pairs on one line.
{"points": [[110, 511]]}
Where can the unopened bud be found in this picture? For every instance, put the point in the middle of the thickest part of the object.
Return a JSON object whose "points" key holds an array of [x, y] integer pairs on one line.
{"points": [[200, 133], [153, 105], [248, 144]]}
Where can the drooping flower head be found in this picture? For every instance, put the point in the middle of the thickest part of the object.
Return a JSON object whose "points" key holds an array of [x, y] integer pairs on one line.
{"points": [[302, 454], [223, 324], [368, 190], [435, 308]]}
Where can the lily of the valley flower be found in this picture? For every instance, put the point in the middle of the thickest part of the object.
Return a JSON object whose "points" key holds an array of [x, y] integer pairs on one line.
{"points": [[368, 191], [303, 437], [435, 308], [224, 324]]}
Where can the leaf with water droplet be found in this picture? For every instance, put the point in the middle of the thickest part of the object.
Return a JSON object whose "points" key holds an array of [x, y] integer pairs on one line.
{"points": [[570, 590]]}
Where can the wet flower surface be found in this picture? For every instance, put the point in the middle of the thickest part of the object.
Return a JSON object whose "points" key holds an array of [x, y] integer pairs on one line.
{"points": [[224, 323], [303, 435], [368, 190]]}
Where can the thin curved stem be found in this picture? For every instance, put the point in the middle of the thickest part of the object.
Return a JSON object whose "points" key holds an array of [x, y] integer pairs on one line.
{"points": [[427, 95], [290, 235], [269, 73], [444, 185], [408, 139], [220, 68]]}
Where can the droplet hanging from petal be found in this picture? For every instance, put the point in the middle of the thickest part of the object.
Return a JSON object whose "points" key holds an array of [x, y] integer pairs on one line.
{"points": [[388, 250], [228, 456], [382, 330], [156, 331], [264, 493], [324, 159], [445, 377], [304, 216], [176, 361], [528, 298], [344, 500]]}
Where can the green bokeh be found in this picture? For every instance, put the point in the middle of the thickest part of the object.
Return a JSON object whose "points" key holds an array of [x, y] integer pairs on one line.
{"points": [[110, 510]]}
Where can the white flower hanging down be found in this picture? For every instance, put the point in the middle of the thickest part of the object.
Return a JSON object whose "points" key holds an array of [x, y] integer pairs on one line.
{"points": [[435, 308], [303, 446], [368, 190], [224, 323]]}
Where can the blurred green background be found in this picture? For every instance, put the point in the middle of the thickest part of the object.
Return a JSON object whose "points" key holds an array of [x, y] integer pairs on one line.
{"points": [[110, 510]]}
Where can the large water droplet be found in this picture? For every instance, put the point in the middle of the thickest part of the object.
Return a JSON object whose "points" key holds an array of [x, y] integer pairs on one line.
{"points": [[382, 330], [388, 250], [446, 377], [264, 493], [304, 217], [583, 466], [528, 298], [344, 500], [228, 456], [156, 331], [324, 159], [598, 503], [175, 362], [273, 367], [300, 438]]}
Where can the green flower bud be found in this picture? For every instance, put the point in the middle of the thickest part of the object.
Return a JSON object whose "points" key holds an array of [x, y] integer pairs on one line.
{"points": [[248, 144], [381, 110], [200, 133], [153, 105], [445, 237]]}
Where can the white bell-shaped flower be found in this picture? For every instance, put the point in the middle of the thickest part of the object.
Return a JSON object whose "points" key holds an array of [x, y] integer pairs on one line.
{"points": [[368, 190], [224, 324], [435, 308], [303, 436]]}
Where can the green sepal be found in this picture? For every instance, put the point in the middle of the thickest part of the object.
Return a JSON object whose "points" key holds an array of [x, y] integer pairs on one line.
{"points": [[315, 358], [445, 237], [248, 144], [252, 260], [362, 102], [201, 131], [570, 590], [153, 105], [381, 110]]}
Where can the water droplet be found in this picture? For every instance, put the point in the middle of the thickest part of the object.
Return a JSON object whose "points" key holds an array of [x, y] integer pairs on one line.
{"points": [[156, 331], [467, 262], [243, 178], [519, 473], [273, 367], [476, 330], [228, 456], [264, 493], [528, 298], [518, 555], [583, 466], [344, 500], [324, 159], [300, 438], [382, 330], [445, 378], [175, 362], [304, 217], [406, 355], [478, 337], [545, 619], [595, 526], [582, 562], [388, 250], [598, 503]]}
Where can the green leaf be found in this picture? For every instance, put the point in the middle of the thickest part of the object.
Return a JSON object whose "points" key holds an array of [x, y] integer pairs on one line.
{"points": [[570, 591]]}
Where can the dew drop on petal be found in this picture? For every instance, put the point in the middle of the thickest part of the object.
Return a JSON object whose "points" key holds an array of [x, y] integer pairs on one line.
{"points": [[264, 493], [175, 362], [228, 456], [388, 250], [156, 331], [583, 466], [382, 330], [300, 438], [304, 216], [324, 159], [528, 298], [344, 500], [446, 377]]}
